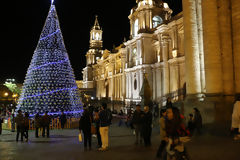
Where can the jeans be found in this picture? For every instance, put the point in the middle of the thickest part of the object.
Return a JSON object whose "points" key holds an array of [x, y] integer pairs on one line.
{"points": [[104, 136], [45, 127], [20, 130], [138, 133]]}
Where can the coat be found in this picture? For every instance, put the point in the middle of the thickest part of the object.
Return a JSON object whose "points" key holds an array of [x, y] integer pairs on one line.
{"points": [[19, 120], [46, 120], [37, 121], [236, 115], [137, 118], [85, 122]]}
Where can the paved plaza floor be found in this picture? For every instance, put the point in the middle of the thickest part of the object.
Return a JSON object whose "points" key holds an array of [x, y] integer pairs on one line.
{"points": [[64, 145]]}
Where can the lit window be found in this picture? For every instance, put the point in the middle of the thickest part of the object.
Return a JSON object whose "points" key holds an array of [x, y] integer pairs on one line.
{"points": [[97, 36], [157, 20]]}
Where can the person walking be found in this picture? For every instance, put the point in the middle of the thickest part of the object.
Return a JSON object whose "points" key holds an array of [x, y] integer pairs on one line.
{"points": [[63, 120], [236, 119], [197, 121], [26, 125], [37, 123], [46, 119], [20, 125], [137, 123], [105, 117], [97, 124], [85, 126], [160, 153], [147, 126]]}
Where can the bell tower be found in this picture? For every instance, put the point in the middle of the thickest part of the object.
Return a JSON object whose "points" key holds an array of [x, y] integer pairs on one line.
{"points": [[95, 50], [96, 35]]}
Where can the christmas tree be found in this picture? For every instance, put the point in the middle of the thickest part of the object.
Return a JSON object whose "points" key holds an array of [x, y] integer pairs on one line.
{"points": [[50, 82]]}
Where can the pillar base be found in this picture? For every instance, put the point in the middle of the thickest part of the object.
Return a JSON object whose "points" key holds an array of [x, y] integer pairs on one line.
{"points": [[216, 111]]}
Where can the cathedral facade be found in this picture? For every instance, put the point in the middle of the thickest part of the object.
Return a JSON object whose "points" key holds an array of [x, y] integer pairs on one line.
{"points": [[193, 55], [155, 50]]}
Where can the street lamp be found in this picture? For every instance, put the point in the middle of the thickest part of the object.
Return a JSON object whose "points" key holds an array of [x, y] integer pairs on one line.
{"points": [[6, 94]]}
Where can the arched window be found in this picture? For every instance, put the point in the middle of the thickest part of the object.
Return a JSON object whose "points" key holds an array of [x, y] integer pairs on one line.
{"points": [[157, 20], [136, 27]]}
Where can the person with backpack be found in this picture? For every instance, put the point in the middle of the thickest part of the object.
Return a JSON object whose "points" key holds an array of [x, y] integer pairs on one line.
{"points": [[105, 117], [20, 125]]}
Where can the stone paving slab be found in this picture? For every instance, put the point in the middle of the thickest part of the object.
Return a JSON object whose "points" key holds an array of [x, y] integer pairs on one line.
{"points": [[64, 145]]}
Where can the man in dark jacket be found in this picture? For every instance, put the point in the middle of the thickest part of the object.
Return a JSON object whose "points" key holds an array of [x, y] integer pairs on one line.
{"points": [[20, 125], [137, 123], [46, 122], [147, 126], [85, 126], [63, 119], [37, 123], [105, 117]]}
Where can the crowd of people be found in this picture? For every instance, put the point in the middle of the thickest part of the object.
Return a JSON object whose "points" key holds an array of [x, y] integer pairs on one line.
{"points": [[174, 130]]}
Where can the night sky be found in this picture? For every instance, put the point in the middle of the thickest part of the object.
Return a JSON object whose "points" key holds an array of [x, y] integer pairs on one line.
{"points": [[22, 22]]}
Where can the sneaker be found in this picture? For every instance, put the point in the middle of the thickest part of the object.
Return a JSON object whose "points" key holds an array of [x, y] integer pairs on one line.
{"points": [[102, 149]]}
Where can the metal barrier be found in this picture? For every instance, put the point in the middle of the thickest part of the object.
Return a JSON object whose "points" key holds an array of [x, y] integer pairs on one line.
{"points": [[54, 124]]}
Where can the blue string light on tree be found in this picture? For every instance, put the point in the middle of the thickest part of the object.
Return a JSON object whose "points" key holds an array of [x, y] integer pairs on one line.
{"points": [[50, 82]]}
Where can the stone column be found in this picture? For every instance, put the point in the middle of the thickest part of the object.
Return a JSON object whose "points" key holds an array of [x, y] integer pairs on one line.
{"points": [[158, 83], [154, 84], [191, 48], [236, 42], [224, 21], [213, 63], [200, 43], [165, 51]]}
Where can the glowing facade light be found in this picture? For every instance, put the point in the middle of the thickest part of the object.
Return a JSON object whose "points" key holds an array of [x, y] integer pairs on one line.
{"points": [[6, 94]]}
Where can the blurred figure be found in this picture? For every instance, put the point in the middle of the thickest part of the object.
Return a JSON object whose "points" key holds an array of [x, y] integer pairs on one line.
{"points": [[26, 125], [160, 153], [97, 124], [63, 120], [12, 118], [169, 103], [20, 125], [105, 117], [137, 121], [85, 126], [46, 120], [147, 126], [37, 123], [1, 121], [190, 126], [197, 121], [236, 119]]}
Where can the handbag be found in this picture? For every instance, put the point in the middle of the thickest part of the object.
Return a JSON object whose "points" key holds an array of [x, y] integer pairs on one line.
{"points": [[80, 137]]}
